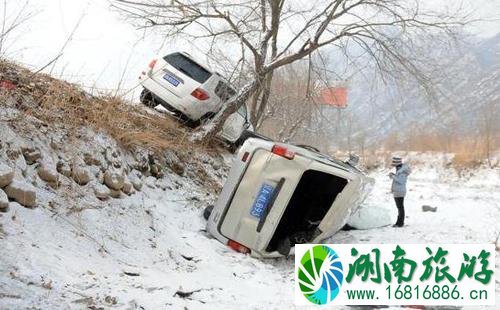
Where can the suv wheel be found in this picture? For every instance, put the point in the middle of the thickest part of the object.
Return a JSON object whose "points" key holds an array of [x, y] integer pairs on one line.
{"points": [[147, 98]]}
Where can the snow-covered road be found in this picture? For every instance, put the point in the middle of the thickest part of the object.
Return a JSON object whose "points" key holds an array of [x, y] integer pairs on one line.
{"points": [[150, 251]]}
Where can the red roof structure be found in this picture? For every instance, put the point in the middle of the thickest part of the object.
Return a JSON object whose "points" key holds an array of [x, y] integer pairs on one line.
{"points": [[334, 96]]}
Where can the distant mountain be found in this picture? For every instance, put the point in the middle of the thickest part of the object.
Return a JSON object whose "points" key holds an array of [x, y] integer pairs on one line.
{"points": [[465, 87]]}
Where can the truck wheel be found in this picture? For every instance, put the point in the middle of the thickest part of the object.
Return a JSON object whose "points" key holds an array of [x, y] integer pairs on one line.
{"points": [[208, 210], [147, 98]]}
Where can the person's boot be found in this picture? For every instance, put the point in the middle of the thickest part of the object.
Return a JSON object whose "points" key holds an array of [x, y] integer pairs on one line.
{"points": [[399, 222], [401, 217]]}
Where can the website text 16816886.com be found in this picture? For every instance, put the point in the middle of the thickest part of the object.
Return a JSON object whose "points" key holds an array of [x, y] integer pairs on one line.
{"points": [[418, 292], [436, 292]]}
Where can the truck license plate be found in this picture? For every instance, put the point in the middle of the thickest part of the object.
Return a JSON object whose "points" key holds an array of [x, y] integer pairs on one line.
{"points": [[262, 201]]}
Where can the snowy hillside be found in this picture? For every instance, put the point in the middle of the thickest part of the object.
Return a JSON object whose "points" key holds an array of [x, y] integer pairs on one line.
{"points": [[116, 225], [149, 250]]}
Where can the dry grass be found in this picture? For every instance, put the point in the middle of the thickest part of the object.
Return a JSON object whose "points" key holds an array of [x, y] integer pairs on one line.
{"points": [[61, 103], [469, 151]]}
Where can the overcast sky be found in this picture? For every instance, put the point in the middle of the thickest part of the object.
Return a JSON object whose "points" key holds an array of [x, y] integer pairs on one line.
{"points": [[105, 47]]}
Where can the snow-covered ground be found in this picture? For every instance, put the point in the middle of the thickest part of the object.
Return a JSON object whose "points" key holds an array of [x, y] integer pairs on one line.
{"points": [[468, 209], [140, 251]]}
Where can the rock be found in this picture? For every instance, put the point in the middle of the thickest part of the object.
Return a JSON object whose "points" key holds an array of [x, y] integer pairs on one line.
{"points": [[91, 160], [4, 201], [128, 188], [156, 171], [63, 168], [136, 182], [150, 182], [101, 191], [426, 208], [110, 300], [177, 168], [31, 155], [21, 166], [115, 193], [112, 158], [160, 183], [48, 172], [54, 145], [129, 192], [142, 161], [22, 192], [114, 179], [216, 165], [6, 175], [100, 177], [13, 153], [81, 175], [174, 162]]}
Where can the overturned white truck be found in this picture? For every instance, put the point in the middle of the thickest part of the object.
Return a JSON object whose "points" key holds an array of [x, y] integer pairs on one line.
{"points": [[278, 195]]}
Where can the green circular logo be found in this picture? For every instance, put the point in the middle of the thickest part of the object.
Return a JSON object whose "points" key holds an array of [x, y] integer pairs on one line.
{"points": [[320, 274]]}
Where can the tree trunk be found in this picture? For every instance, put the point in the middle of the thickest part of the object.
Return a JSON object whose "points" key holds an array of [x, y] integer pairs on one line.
{"points": [[254, 106], [209, 130], [266, 92]]}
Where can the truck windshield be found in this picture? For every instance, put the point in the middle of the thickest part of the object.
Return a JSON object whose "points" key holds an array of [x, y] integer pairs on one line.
{"points": [[188, 67]]}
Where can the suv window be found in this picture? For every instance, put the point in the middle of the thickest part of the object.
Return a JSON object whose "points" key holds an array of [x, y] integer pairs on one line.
{"points": [[224, 91], [188, 67]]}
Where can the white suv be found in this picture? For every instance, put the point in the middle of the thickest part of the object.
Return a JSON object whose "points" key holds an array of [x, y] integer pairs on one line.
{"points": [[191, 91]]}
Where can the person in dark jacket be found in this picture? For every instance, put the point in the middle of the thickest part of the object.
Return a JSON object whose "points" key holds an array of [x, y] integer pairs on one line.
{"points": [[398, 188]]}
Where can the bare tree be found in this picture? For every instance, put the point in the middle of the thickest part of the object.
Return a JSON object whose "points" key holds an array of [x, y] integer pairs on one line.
{"points": [[488, 120], [12, 18], [279, 32], [293, 111], [289, 107]]}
